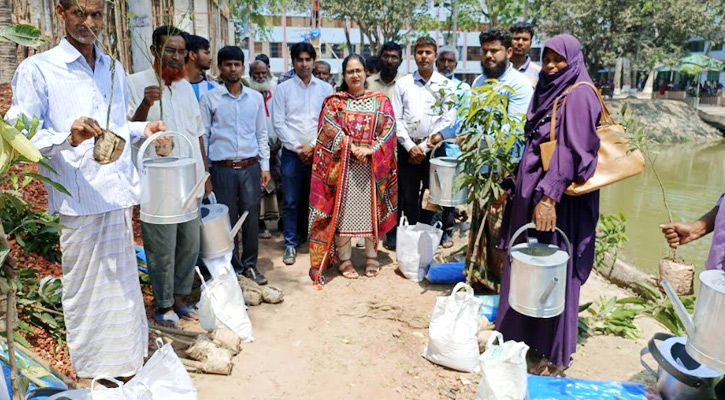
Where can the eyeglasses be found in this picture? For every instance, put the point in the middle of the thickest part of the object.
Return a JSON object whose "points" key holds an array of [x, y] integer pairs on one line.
{"points": [[352, 72], [171, 52]]}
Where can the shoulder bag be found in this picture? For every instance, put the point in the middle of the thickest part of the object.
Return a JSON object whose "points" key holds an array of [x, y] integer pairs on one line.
{"points": [[614, 160]]}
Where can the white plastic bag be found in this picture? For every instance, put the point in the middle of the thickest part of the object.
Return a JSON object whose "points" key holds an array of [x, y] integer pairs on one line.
{"points": [[222, 304], [453, 330], [504, 370], [98, 392], [415, 247], [163, 377]]}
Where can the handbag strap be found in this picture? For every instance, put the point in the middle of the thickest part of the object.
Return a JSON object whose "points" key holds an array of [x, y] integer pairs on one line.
{"points": [[605, 119]]}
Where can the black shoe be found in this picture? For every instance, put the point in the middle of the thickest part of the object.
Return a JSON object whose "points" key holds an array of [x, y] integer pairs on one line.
{"points": [[290, 256], [254, 274], [389, 242]]}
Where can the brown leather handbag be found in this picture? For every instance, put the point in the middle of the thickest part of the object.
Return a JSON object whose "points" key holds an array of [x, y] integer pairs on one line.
{"points": [[614, 163]]}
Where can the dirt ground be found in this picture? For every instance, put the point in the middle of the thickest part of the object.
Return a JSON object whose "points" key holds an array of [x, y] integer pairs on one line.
{"points": [[362, 339]]}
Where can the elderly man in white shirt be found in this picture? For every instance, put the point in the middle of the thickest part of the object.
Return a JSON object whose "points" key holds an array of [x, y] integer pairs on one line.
{"points": [[68, 88], [296, 107], [171, 249], [419, 125]]}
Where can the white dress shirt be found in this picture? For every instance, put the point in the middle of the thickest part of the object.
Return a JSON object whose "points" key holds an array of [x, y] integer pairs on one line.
{"points": [[181, 113], [296, 111], [58, 86], [416, 115], [235, 127]]}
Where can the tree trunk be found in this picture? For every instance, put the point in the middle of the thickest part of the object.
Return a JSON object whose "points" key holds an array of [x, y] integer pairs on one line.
{"points": [[453, 39], [350, 50], [8, 50]]}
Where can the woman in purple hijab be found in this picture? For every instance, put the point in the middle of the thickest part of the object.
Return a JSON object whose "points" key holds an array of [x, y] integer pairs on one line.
{"points": [[539, 196]]}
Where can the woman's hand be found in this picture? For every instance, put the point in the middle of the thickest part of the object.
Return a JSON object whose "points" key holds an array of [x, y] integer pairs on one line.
{"points": [[545, 215], [361, 153]]}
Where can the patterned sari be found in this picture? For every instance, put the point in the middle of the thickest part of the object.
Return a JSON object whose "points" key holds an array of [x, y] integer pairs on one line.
{"points": [[365, 120]]}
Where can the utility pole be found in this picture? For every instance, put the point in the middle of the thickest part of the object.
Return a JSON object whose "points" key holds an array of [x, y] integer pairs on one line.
{"points": [[315, 38]]}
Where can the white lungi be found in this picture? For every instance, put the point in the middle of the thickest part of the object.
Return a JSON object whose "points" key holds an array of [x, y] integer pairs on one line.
{"points": [[107, 331]]}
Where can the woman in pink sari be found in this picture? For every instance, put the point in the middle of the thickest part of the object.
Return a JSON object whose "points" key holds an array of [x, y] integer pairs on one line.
{"points": [[354, 189]]}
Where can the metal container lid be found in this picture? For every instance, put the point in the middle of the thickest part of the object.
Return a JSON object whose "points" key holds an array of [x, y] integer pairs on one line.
{"points": [[714, 279], [539, 254], [445, 161], [210, 212], [168, 162], [674, 351]]}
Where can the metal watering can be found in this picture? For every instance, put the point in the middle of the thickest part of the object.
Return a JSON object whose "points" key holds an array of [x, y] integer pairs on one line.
{"points": [[442, 177], [679, 377], [538, 276], [169, 185], [217, 235], [705, 329]]}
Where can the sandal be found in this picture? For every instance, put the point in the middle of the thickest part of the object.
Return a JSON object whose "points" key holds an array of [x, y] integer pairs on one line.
{"points": [[348, 270], [187, 313], [372, 267], [167, 320]]}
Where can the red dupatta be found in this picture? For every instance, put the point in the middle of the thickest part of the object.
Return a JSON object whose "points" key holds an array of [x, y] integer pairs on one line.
{"points": [[365, 120]]}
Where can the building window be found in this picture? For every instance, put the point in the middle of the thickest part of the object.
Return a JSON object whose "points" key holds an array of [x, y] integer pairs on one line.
{"points": [[474, 53], [258, 48], [275, 50], [717, 47], [696, 46], [339, 52]]}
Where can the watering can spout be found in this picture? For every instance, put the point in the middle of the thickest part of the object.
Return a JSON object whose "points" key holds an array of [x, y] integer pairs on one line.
{"points": [[679, 308], [238, 225], [191, 198]]}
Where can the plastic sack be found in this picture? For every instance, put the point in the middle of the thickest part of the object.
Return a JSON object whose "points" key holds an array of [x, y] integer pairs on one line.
{"points": [[117, 393], [453, 330], [415, 247], [222, 304], [504, 370], [163, 376]]}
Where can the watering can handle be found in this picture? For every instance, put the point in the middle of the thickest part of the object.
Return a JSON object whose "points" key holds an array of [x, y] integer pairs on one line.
{"points": [[150, 139], [652, 348], [531, 225], [433, 150]]}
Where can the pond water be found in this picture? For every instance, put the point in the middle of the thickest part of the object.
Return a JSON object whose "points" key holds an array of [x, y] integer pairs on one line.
{"points": [[694, 179]]}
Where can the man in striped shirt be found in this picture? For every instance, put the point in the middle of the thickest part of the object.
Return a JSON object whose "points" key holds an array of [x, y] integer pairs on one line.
{"points": [[69, 88]]}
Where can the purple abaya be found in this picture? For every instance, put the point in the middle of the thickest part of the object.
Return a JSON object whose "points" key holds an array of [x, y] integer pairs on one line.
{"points": [[574, 160]]}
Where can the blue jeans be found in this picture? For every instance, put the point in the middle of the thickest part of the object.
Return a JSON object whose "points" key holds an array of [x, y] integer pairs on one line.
{"points": [[296, 177]]}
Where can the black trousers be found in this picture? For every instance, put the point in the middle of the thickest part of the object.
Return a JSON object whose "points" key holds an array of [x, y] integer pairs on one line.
{"points": [[412, 183], [241, 190]]}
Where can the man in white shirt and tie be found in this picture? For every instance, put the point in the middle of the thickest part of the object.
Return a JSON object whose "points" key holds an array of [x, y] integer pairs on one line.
{"points": [[296, 107], [419, 124], [68, 88]]}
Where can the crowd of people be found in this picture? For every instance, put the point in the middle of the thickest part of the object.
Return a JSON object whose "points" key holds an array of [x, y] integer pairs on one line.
{"points": [[333, 163]]}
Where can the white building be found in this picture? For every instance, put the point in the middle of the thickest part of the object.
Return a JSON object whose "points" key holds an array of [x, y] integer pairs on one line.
{"points": [[284, 31]]}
